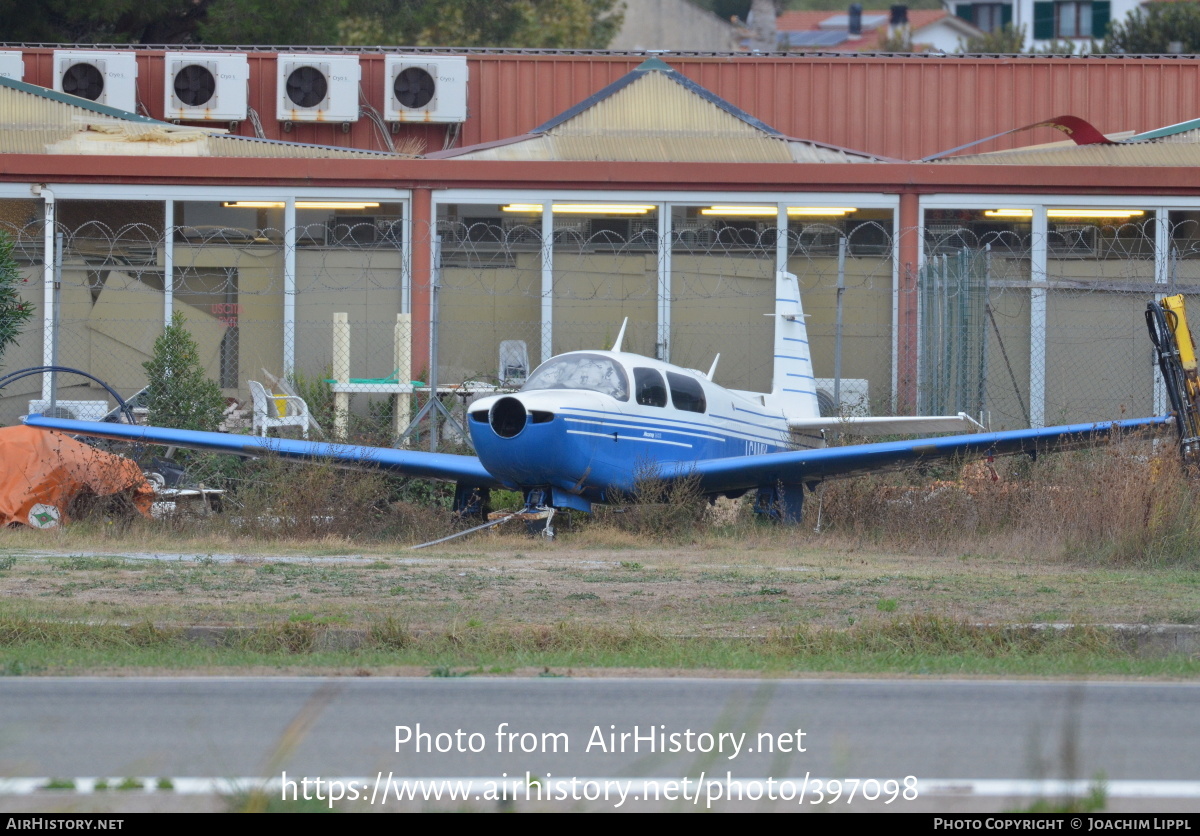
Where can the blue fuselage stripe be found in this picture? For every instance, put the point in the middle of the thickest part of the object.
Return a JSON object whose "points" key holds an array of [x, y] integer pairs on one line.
{"points": [[667, 420], [643, 427], [752, 412], [633, 438], [775, 435]]}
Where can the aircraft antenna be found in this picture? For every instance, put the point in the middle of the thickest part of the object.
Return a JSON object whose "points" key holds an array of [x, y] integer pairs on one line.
{"points": [[713, 368], [620, 336]]}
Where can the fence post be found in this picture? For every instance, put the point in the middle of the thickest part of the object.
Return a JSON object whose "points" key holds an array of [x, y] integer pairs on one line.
{"points": [[403, 347], [341, 372]]}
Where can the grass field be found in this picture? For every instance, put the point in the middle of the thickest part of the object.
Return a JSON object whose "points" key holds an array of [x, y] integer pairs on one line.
{"points": [[508, 603], [916, 572]]}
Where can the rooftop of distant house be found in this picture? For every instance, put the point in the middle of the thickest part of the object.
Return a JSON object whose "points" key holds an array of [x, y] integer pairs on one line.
{"points": [[829, 30]]}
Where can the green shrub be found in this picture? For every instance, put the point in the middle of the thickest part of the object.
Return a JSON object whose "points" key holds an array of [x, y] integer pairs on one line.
{"points": [[180, 395], [14, 311]]}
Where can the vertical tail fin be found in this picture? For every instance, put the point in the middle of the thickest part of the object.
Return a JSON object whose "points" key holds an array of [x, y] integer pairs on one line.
{"points": [[793, 387]]}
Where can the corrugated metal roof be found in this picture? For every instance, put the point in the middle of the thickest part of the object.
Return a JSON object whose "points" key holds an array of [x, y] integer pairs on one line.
{"points": [[40, 121], [903, 106], [657, 66], [899, 106], [1175, 150], [653, 114], [1170, 130]]}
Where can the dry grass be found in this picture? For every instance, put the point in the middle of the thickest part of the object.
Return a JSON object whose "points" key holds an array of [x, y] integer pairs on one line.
{"points": [[272, 500], [1118, 504], [663, 510], [933, 634], [906, 563]]}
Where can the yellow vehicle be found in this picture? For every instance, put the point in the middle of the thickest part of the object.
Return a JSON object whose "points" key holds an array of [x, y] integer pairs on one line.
{"points": [[1167, 321]]}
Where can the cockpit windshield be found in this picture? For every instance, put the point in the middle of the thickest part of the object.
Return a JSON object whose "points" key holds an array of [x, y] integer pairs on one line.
{"points": [[593, 372]]}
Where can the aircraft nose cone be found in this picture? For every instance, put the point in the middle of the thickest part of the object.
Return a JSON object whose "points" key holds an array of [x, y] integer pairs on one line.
{"points": [[507, 417], [525, 440]]}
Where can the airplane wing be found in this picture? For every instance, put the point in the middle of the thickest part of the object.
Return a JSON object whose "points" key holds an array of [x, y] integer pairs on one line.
{"points": [[715, 475], [444, 466], [802, 466], [898, 425]]}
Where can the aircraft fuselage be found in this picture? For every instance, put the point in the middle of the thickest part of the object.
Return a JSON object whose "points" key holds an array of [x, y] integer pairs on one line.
{"points": [[591, 423]]}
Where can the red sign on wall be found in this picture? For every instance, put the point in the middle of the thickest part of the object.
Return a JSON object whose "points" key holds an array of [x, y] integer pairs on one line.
{"points": [[227, 312]]}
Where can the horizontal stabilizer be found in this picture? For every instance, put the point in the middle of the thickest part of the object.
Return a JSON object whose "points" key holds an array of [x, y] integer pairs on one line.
{"points": [[899, 425]]}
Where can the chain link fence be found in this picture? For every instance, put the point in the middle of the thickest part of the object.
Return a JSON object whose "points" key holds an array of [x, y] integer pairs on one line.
{"points": [[990, 336]]}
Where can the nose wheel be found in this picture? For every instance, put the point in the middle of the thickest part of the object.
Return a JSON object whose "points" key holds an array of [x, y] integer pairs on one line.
{"points": [[540, 520], [539, 513]]}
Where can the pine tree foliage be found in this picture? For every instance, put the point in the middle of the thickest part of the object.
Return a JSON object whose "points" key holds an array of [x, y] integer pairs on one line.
{"points": [[532, 24], [180, 395], [1153, 28], [549, 24], [1006, 40], [1010, 40], [14, 311]]}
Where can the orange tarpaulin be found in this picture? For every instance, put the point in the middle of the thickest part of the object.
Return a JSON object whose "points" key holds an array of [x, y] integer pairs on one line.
{"points": [[43, 472]]}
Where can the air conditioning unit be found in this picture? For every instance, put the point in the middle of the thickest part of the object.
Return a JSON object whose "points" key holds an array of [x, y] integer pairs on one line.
{"points": [[425, 88], [12, 65], [206, 86], [317, 88], [853, 397], [72, 410], [102, 76]]}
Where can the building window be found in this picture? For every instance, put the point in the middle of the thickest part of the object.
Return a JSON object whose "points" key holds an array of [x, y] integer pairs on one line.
{"points": [[1071, 19], [990, 17]]}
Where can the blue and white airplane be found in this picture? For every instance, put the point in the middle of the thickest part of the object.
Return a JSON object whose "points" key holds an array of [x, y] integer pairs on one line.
{"points": [[588, 424]]}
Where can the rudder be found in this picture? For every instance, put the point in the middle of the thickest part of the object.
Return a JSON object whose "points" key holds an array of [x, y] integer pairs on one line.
{"points": [[793, 386]]}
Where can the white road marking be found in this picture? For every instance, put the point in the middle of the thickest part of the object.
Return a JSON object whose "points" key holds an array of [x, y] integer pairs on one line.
{"points": [[926, 787]]}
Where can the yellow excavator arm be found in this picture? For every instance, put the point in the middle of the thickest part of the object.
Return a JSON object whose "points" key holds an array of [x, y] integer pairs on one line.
{"points": [[1167, 322]]}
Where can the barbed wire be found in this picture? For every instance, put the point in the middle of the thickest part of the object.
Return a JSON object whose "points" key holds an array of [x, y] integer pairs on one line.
{"points": [[1091, 362]]}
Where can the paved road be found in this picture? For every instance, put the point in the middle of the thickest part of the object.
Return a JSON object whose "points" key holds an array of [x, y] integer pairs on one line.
{"points": [[882, 728]]}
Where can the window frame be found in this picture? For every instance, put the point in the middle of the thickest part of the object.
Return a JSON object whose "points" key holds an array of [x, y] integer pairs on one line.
{"points": [[687, 393], [649, 380]]}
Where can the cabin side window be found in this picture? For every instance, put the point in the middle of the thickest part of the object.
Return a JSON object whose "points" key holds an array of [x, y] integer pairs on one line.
{"points": [[648, 387], [686, 393]]}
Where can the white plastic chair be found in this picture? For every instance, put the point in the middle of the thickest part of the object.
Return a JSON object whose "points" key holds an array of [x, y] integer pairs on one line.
{"points": [[266, 410]]}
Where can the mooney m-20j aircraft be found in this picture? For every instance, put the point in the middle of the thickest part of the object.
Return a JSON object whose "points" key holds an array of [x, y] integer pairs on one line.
{"points": [[588, 424]]}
